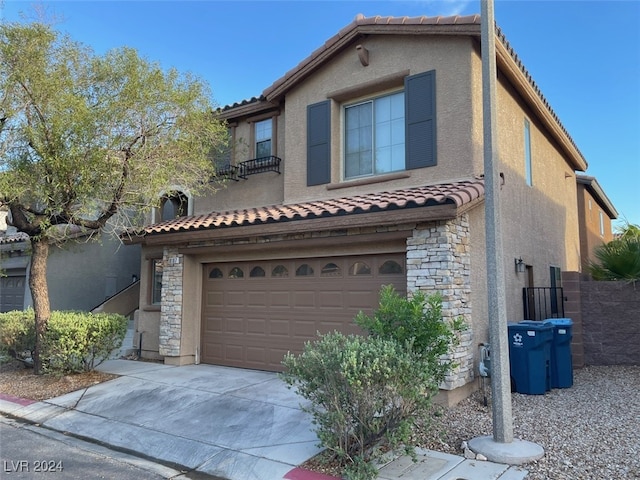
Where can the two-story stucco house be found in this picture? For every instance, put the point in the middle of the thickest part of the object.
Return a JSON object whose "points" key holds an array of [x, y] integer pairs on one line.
{"points": [[595, 212], [363, 166]]}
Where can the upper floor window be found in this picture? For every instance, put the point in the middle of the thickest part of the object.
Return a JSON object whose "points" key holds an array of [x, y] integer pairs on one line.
{"points": [[528, 169], [384, 133], [263, 137], [173, 205], [601, 213], [374, 137]]}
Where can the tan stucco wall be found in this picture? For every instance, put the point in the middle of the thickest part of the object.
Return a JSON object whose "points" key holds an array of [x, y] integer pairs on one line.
{"points": [[539, 222], [388, 55], [589, 213], [256, 190], [147, 321]]}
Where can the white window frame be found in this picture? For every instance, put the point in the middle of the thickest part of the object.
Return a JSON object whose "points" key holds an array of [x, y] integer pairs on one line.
{"points": [[374, 171], [263, 132], [528, 167]]}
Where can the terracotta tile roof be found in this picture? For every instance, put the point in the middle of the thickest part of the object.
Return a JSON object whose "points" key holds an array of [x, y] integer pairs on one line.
{"points": [[458, 194], [14, 238]]}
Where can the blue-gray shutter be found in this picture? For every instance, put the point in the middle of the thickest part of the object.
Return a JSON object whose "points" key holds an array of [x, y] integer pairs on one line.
{"points": [[420, 118], [319, 143]]}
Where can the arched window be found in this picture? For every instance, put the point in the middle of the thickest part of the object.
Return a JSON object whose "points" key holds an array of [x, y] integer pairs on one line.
{"points": [[173, 205], [236, 272], [304, 270], [257, 272], [216, 273], [280, 271], [390, 267], [360, 268], [330, 270]]}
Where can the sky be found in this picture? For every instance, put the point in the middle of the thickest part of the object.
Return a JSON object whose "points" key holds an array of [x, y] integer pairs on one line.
{"points": [[583, 55]]}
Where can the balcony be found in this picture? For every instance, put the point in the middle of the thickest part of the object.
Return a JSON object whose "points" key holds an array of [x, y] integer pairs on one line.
{"points": [[250, 167]]}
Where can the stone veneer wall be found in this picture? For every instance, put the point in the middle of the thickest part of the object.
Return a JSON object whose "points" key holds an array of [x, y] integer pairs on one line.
{"points": [[171, 307], [439, 261]]}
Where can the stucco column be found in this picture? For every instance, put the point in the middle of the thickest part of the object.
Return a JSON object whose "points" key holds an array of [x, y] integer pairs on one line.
{"points": [[171, 303], [439, 261]]}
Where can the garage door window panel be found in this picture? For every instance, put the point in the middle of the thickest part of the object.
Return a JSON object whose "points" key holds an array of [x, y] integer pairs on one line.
{"points": [[257, 272], [304, 270], [216, 273], [359, 268], [236, 272], [331, 270], [280, 271], [391, 267]]}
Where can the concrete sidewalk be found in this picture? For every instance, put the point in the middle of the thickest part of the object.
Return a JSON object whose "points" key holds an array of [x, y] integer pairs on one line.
{"points": [[227, 422]]}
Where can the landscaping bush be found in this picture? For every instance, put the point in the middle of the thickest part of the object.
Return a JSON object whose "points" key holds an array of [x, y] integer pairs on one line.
{"points": [[366, 393], [74, 341], [416, 322], [362, 391], [17, 333], [78, 341]]}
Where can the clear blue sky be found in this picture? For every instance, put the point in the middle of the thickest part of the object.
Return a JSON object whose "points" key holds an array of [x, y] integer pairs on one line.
{"points": [[584, 55]]}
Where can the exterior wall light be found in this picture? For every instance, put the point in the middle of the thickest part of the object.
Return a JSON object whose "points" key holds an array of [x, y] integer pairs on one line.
{"points": [[520, 266]]}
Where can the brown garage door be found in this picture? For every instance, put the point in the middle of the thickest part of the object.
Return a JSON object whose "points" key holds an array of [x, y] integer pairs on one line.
{"points": [[255, 312]]}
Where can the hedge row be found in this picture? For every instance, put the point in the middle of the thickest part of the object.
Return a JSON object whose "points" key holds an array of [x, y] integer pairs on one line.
{"points": [[74, 341]]}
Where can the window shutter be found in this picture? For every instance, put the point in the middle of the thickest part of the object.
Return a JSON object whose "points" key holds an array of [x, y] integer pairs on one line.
{"points": [[319, 143], [420, 118]]}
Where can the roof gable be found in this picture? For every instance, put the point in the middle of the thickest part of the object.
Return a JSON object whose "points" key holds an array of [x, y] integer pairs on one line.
{"points": [[507, 61]]}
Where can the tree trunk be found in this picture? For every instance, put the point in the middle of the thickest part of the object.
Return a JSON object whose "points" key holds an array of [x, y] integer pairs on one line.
{"points": [[40, 295]]}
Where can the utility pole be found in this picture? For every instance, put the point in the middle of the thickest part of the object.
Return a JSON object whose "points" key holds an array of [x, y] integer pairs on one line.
{"points": [[501, 447], [500, 376]]}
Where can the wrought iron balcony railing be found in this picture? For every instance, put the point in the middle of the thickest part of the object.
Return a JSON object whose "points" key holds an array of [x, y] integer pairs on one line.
{"points": [[250, 167]]}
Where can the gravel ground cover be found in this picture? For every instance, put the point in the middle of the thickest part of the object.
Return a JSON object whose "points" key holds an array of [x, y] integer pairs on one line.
{"points": [[588, 431]]}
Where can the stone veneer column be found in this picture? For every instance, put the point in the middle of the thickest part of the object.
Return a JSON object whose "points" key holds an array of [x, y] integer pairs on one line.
{"points": [[171, 303], [439, 261]]}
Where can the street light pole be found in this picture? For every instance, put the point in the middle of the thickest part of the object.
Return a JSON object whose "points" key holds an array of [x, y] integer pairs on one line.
{"points": [[501, 447], [500, 376]]}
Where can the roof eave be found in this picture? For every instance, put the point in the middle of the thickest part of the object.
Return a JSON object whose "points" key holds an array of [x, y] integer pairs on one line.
{"points": [[346, 36], [445, 211], [598, 194]]}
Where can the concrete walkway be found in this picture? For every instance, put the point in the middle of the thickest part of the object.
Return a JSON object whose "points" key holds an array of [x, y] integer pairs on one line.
{"points": [[227, 422]]}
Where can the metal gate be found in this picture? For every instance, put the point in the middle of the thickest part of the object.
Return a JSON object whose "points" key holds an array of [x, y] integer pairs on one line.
{"points": [[541, 303]]}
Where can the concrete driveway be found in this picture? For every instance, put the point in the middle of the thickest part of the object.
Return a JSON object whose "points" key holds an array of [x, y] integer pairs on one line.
{"points": [[228, 422], [225, 422]]}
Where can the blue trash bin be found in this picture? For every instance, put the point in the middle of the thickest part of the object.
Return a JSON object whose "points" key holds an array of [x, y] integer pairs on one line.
{"points": [[561, 359], [530, 357]]}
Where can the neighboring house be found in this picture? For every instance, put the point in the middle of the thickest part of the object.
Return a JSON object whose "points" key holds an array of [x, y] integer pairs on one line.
{"points": [[595, 214], [81, 275], [362, 166]]}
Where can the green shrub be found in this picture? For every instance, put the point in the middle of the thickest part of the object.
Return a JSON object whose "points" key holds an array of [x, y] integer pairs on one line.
{"points": [[73, 342], [366, 393], [363, 391], [17, 332], [78, 341], [416, 322]]}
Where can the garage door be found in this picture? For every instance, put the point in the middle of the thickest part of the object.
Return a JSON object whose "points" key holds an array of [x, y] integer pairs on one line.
{"points": [[255, 312], [12, 290]]}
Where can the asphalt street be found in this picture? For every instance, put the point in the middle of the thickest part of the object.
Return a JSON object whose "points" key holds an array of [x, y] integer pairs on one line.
{"points": [[32, 452]]}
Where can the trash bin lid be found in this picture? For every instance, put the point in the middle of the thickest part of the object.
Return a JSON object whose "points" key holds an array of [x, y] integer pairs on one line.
{"points": [[559, 322], [534, 325]]}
